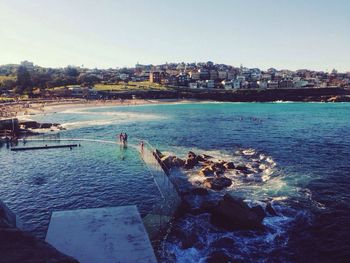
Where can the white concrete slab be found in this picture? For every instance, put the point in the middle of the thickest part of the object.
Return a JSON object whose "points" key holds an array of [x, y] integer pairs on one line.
{"points": [[113, 234]]}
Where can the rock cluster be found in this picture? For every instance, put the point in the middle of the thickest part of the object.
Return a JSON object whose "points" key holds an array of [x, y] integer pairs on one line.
{"points": [[213, 171], [36, 125]]}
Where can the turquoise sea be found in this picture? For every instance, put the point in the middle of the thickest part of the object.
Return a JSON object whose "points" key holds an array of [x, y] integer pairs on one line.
{"points": [[308, 183]]}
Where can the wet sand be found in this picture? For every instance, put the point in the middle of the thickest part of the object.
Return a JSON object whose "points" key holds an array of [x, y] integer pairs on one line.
{"points": [[25, 109]]}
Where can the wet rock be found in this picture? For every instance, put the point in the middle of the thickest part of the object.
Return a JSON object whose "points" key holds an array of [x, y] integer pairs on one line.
{"points": [[205, 156], [199, 191], [229, 165], [191, 155], [167, 160], [339, 98], [217, 183], [29, 124], [206, 206], [189, 241], [218, 168], [191, 161], [45, 125], [200, 158], [219, 256], [233, 213], [242, 168], [206, 171], [270, 210], [224, 242], [159, 154], [177, 162]]}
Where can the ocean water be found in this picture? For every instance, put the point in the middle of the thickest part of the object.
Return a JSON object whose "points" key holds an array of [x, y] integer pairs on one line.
{"points": [[305, 149]]}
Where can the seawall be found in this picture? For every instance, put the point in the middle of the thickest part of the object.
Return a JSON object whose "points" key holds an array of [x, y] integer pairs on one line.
{"points": [[17, 245]]}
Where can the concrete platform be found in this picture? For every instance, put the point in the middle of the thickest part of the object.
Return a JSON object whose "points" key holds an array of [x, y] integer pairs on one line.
{"points": [[114, 234]]}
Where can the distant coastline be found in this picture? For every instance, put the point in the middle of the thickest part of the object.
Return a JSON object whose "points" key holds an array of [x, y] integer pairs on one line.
{"points": [[25, 108]]}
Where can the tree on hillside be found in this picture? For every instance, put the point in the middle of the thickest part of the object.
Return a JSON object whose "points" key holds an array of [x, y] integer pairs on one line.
{"points": [[24, 81], [40, 80], [86, 79], [7, 84], [71, 71]]}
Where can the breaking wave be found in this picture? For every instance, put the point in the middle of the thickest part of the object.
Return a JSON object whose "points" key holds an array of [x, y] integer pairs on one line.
{"points": [[108, 118]]}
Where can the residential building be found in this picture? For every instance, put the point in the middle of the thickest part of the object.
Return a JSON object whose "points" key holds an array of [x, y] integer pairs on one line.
{"points": [[210, 84], [155, 76], [193, 85], [222, 75], [272, 84], [194, 75], [213, 74]]}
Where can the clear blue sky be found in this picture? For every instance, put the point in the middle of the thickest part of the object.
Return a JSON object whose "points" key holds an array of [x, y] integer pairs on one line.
{"points": [[291, 34]]}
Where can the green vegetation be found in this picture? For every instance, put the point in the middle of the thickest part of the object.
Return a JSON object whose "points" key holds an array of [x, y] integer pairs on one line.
{"points": [[6, 78], [4, 99], [62, 87], [123, 86]]}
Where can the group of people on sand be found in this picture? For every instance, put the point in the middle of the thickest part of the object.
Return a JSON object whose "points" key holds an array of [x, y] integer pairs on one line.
{"points": [[123, 138]]}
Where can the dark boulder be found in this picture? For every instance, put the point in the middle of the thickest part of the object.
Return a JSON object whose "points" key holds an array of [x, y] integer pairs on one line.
{"points": [[159, 154], [242, 168], [190, 163], [219, 256], [270, 210], [167, 160], [200, 158], [205, 156], [206, 206], [45, 125], [224, 242], [217, 183], [30, 124], [229, 165], [206, 171], [191, 155], [233, 213], [199, 191], [177, 162]]}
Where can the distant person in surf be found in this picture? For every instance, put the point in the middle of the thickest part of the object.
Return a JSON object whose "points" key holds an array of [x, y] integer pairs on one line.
{"points": [[142, 145], [125, 137], [121, 137]]}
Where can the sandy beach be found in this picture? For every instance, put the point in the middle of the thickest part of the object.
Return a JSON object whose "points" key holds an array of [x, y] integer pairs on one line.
{"points": [[25, 109]]}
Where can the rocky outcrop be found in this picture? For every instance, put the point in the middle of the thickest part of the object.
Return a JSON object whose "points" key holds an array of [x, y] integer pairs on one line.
{"points": [[172, 161], [36, 125], [219, 256], [19, 246], [217, 183], [233, 213], [191, 160], [339, 98]]}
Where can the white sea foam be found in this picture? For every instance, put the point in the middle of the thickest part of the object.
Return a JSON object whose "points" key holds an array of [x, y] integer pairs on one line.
{"points": [[108, 118]]}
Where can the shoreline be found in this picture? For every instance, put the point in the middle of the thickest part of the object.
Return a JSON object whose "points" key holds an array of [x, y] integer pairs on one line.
{"points": [[23, 110]]}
